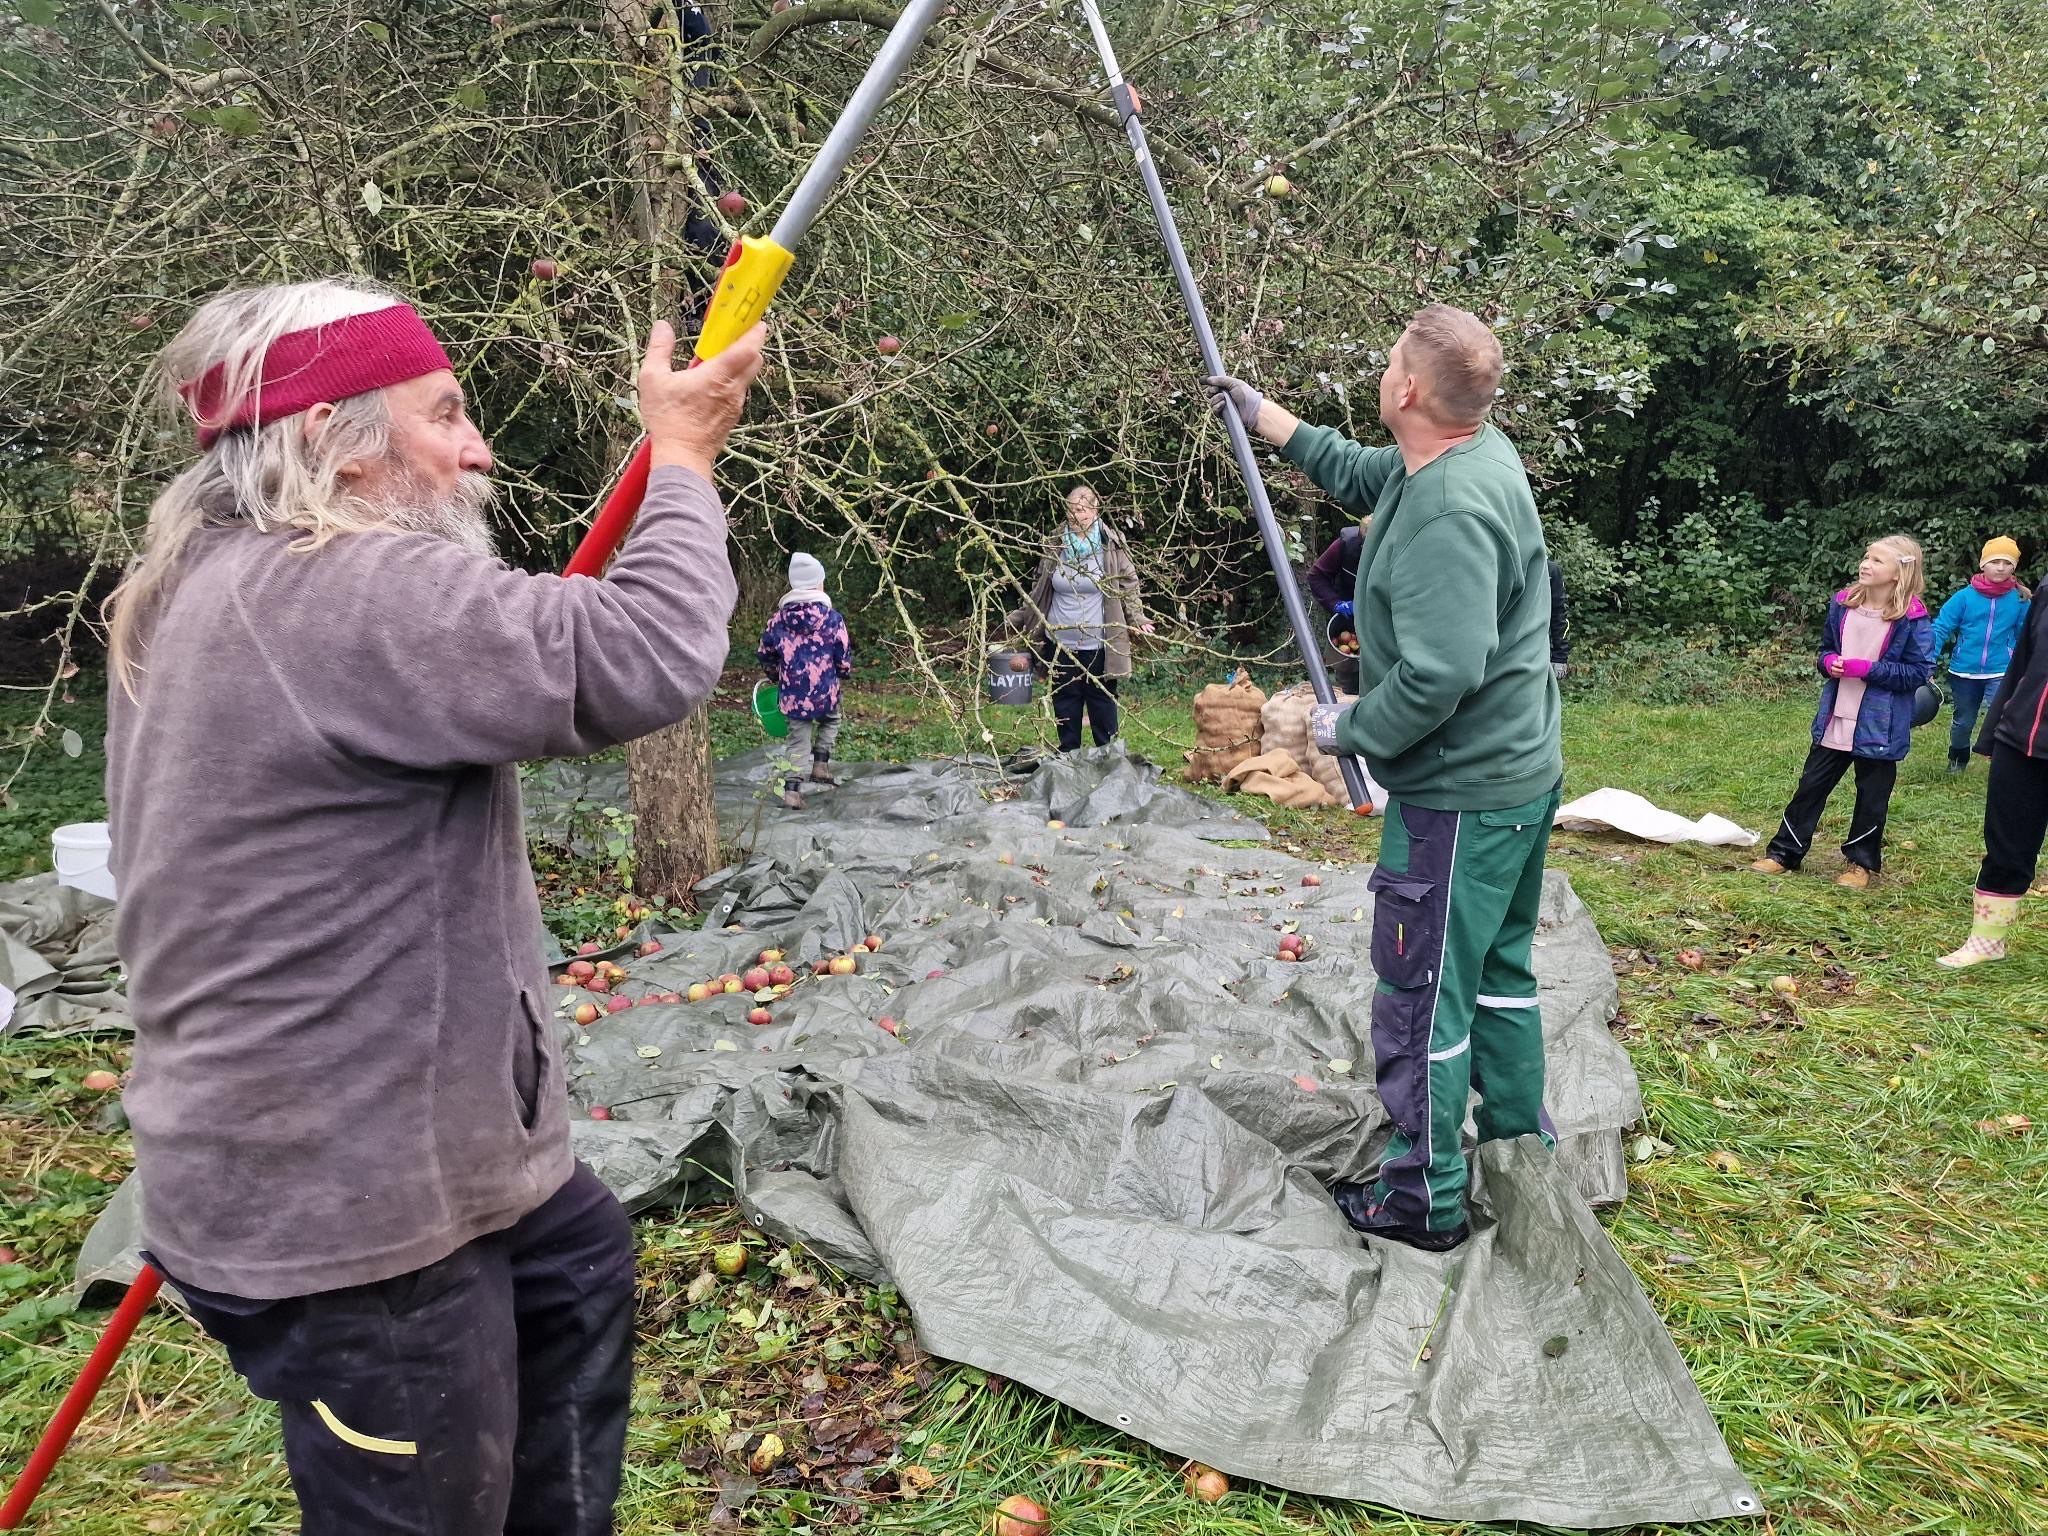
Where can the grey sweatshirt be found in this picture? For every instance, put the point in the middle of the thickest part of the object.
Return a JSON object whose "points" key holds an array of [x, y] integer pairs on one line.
{"points": [[345, 1067]]}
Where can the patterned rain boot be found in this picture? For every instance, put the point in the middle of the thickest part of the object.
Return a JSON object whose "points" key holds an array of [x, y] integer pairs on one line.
{"points": [[1994, 919]]}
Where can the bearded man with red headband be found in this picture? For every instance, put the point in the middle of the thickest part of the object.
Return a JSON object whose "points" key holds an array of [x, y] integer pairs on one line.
{"points": [[348, 1104]]}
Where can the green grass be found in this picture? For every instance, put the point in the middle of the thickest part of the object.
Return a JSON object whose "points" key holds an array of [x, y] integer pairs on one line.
{"points": [[1860, 1294]]}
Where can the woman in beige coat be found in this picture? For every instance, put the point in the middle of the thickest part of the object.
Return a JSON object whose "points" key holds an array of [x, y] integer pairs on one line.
{"points": [[1078, 619]]}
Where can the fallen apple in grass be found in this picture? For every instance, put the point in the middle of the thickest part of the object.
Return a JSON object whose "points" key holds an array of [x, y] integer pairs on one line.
{"points": [[1691, 959], [544, 269], [101, 1081], [1021, 1516], [1206, 1484], [1784, 986], [888, 346], [763, 1457], [1278, 186], [587, 1013], [729, 1258]]}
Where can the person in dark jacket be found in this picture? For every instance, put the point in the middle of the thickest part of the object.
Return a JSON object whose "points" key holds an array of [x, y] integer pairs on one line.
{"points": [[805, 651], [1560, 635], [1877, 648], [2015, 738], [1333, 582]]}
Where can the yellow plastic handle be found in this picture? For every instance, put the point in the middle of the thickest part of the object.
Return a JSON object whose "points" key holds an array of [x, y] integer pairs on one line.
{"points": [[754, 270]]}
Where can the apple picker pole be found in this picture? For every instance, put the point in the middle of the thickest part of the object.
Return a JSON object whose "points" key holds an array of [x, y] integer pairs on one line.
{"points": [[1127, 106], [754, 270], [755, 267]]}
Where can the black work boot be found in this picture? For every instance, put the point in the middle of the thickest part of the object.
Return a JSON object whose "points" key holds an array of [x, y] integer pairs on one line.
{"points": [[1958, 762], [1355, 1201]]}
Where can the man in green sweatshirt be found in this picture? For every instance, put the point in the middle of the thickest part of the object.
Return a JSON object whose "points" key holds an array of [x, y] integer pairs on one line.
{"points": [[1458, 718]]}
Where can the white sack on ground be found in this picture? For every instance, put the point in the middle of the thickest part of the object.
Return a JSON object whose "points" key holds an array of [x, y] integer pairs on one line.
{"points": [[1623, 810]]}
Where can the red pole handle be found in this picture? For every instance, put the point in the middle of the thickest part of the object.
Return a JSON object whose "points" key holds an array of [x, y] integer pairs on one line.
{"points": [[609, 527], [64, 1422]]}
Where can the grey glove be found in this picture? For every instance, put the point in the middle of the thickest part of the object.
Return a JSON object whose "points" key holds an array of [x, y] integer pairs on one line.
{"points": [[1322, 724], [1558, 670], [1240, 394]]}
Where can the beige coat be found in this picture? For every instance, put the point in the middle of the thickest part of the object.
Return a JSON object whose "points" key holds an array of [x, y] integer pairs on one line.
{"points": [[1122, 609]]}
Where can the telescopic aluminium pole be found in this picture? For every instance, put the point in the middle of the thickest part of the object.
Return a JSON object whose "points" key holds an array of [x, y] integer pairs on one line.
{"points": [[756, 265], [1212, 360]]}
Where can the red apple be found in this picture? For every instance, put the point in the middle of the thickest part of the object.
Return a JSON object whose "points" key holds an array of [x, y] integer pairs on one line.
{"points": [[1691, 959], [732, 204], [760, 1016], [618, 1005], [1020, 1516], [650, 947], [586, 1013], [565, 980], [1290, 955], [770, 956], [543, 269], [821, 967], [1206, 1484], [599, 1112], [699, 991], [843, 965], [7, 1255], [588, 947], [1311, 879], [598, 984], [101, 1081], [886, 1024], [581, 970], [888, 346], [756, 979], [873, 942]]}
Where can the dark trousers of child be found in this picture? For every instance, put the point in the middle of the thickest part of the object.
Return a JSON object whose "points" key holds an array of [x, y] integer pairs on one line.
{"points": [[1966, 699], [486, 1393], [2015, 821], [1824, 769], [1078, 686]]}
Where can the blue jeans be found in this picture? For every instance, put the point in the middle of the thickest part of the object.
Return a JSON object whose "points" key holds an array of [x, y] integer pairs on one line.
{"points": [[1969, 694]]}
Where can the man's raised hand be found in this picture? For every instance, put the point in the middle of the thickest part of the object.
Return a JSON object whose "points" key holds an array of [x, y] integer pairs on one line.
{"points": [[688, 412]]}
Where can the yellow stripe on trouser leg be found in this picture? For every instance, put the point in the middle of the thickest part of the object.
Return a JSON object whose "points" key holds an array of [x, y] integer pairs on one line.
{"points": [[361, 1441]]}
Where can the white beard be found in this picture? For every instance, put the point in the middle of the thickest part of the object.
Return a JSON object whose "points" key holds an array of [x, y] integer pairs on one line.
{"points": [[461, 517]]}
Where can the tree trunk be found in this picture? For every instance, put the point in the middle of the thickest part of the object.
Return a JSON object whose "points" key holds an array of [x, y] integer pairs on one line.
{"points": [[675, 827]]}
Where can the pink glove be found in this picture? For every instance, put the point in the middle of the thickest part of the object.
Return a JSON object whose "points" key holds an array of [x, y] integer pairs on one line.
{"points": [[1831, 664], [1855, 666]]}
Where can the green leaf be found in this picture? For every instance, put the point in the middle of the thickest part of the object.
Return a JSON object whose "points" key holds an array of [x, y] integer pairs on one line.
{"points": [[378, 30], [37, 13], [955, 320], [1555, 1346], [470, 96], [236, 122], [373, 198]]}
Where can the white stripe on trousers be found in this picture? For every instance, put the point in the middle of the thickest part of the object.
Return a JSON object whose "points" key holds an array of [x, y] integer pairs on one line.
{"points": [[1506, 1002]]}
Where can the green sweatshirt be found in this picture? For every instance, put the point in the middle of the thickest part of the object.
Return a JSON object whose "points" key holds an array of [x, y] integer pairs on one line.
{"points": [[1453, 611]]}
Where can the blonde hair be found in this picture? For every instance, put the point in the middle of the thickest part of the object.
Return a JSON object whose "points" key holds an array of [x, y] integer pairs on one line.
{"points": [[1461, 357], [1911, 583], [267, 477]]}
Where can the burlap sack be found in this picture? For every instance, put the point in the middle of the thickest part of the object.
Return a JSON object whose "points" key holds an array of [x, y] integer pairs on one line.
{"points": [[1279, 778], [1227, 727], [1286, 727]]}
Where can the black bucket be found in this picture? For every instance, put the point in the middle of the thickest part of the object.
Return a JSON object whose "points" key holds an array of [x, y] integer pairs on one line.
{"points": [[1007, 682]]}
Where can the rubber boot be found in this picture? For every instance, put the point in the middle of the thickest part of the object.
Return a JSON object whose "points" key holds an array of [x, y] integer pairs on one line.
{"points": [[1994, 917]]}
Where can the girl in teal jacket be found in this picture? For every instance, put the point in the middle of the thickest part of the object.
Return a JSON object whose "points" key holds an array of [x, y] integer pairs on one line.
{"points": [[1983, 622]]}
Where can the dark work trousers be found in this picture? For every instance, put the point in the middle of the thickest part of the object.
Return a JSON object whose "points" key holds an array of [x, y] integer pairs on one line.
{"points": [[1824, 769], [1967, 696], [1456, 899], [1077, 686], [485, 1395], [2015, 820]]}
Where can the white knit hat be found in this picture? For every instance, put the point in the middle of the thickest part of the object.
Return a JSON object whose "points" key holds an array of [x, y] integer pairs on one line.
{"points": [[805, 571]]}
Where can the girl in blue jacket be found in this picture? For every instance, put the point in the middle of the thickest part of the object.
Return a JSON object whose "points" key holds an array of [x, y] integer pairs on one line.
{"points": [[1983, 621], [1876, 648]]}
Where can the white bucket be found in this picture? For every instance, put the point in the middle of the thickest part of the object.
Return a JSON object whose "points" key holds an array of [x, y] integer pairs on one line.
{"points": [[81, 851]]}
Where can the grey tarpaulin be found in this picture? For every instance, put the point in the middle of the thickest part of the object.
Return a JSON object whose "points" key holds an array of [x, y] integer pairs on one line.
{"points": [[57, 961], [1090, 1163]]}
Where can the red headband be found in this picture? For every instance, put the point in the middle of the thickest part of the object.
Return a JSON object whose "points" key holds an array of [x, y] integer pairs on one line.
{"points": [[345, 357]]}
